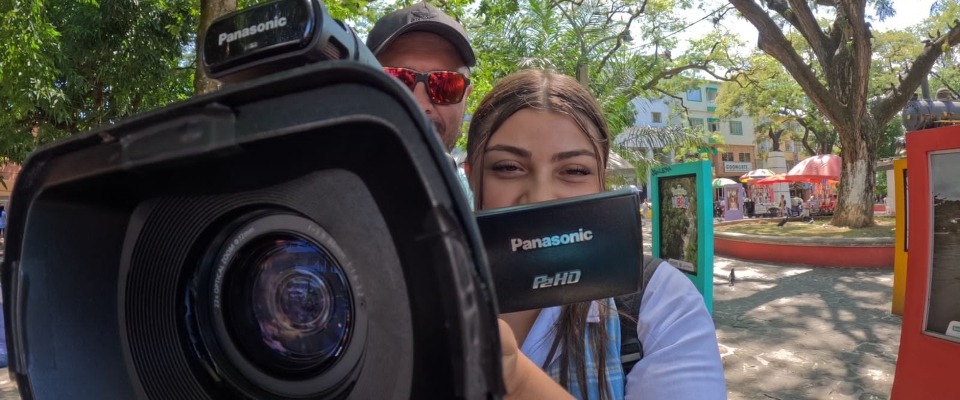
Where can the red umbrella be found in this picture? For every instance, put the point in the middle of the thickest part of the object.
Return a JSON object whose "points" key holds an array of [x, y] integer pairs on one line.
{"points": [[817, 168]]}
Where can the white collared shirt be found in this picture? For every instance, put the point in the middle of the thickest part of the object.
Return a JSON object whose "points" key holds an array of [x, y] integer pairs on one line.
{"points": [[681, 358]]}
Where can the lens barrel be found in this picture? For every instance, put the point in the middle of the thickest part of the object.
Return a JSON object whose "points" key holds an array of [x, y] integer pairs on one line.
{"points": [[284, 317]]}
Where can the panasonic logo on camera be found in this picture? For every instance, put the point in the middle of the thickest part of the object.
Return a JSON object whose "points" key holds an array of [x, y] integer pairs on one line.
{"points": [[550, 241], [274, 23], [558, 279]]}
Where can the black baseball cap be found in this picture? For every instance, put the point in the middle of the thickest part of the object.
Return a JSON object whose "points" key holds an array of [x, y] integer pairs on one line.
{"points": [[421, 17]]}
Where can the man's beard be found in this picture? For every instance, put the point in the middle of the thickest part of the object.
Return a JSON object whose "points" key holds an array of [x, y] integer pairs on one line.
{"points": [[441, 128]]}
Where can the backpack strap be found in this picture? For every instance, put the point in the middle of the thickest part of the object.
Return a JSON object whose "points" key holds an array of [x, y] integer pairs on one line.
{"points": [[631, 350]]}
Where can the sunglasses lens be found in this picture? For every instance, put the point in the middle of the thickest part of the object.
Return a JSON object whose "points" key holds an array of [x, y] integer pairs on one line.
{"points": [[407, 77], [446, 87]]}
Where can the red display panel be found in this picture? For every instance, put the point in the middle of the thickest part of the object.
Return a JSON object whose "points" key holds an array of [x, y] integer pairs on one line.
{"points": [[930, 339]]}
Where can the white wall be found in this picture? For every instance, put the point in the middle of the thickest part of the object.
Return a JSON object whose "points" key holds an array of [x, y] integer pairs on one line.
{"points": [[644, 109]]}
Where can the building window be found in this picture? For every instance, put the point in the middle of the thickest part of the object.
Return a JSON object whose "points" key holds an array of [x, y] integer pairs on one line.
{"points": [[694, 95], [656, 117], [714, 125], [744, 157], [790, 146], [695, 122], [727, 156], [711, 94], [736, 128], [765, 145]]}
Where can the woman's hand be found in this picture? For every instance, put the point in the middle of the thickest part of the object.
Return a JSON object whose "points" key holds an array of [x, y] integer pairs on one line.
{"points": [[510, 354], [522, 378]]}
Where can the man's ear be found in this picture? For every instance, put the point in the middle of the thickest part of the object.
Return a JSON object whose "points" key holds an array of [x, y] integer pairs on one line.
{"points": [[466, 94]]}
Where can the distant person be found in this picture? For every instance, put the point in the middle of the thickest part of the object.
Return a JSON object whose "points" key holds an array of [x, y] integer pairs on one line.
{"points": [[3, 224], [805, 210], [783, 206]]}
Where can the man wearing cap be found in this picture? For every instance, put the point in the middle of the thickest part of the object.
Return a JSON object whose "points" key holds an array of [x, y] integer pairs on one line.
{"points": [[422, 44]]}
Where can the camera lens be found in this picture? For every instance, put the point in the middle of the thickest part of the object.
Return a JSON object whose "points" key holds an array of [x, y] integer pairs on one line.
{"points": [[303, 299], [287, 305], [276, 309]]}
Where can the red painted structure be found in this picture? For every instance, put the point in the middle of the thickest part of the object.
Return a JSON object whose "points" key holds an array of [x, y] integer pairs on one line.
{"points": [[821, 253], [927, 365]]}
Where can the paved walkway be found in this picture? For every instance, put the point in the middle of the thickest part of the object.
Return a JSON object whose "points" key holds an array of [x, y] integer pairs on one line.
{"points": [[796, 332], [791, 332]]}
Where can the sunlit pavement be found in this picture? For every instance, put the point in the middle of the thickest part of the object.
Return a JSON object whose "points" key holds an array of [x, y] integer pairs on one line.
{"points": [[796, 332], [790, 332]]}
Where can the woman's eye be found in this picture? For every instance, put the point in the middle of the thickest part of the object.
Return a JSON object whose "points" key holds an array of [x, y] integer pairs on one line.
{"points": [[506, 167], [578, 171]]}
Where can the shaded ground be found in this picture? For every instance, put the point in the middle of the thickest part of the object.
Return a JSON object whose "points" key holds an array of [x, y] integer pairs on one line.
{"points": [[805, 333]]}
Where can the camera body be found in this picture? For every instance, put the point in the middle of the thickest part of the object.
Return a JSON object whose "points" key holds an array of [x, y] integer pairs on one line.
{"points": [[119, 248], [299, 234], [564, 251]]}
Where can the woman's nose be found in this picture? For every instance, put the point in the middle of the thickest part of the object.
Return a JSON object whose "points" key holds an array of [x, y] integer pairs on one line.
{"points": [[541, 191]]}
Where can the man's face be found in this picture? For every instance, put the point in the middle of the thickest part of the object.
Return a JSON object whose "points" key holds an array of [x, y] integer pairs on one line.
{"points": [[425, 52]]}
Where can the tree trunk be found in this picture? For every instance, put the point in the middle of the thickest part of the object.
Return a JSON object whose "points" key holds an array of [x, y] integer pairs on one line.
{"points": [[775, 138], [854, 207], [209, 11]]}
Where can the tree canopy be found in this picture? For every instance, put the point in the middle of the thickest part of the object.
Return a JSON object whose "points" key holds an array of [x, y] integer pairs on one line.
{"points": [[80, 64], [76, 65]]}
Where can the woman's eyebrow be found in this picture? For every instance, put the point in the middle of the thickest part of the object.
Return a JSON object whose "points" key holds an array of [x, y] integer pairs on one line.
{"points": [[563, 155], [509, 149]]}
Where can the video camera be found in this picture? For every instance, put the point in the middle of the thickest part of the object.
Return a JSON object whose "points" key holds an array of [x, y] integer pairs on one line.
{"points": [[299, 234]]}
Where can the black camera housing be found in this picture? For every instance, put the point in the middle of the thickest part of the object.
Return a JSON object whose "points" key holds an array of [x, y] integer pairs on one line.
{"points": [[108, 231]]}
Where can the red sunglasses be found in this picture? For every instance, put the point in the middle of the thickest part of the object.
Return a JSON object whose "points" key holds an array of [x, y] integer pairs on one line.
{"points": [[443, 87]]}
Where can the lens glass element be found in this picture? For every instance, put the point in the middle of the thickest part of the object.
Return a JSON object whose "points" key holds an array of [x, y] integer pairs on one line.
{"points": [[287, 305]]}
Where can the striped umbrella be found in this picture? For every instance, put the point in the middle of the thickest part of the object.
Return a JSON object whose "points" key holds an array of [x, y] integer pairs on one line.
{"points": [[756, 175], [721, 182], [777, 178]]}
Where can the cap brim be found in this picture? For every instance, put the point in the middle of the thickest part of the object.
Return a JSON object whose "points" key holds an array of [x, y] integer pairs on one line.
{"points": [[443, 30]]}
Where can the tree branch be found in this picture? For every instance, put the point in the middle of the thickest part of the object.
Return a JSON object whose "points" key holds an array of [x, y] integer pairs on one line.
{"points": [[619, 37], [686, 110], [947, 85], [576, 28], [801, 17], [855, 11], [803, 141], [772, 42], [884, 110]]}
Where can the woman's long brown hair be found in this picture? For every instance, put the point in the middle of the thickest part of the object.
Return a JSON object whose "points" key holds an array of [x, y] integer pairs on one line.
{"points": [[563, 95]]}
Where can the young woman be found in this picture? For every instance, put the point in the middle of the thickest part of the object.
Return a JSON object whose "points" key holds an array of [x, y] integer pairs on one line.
{"points": [[541, 136]]}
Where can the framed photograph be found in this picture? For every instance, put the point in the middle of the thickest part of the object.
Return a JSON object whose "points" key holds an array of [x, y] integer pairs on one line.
{"points": [[943, 310], [678, 221], [683, 221]]}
